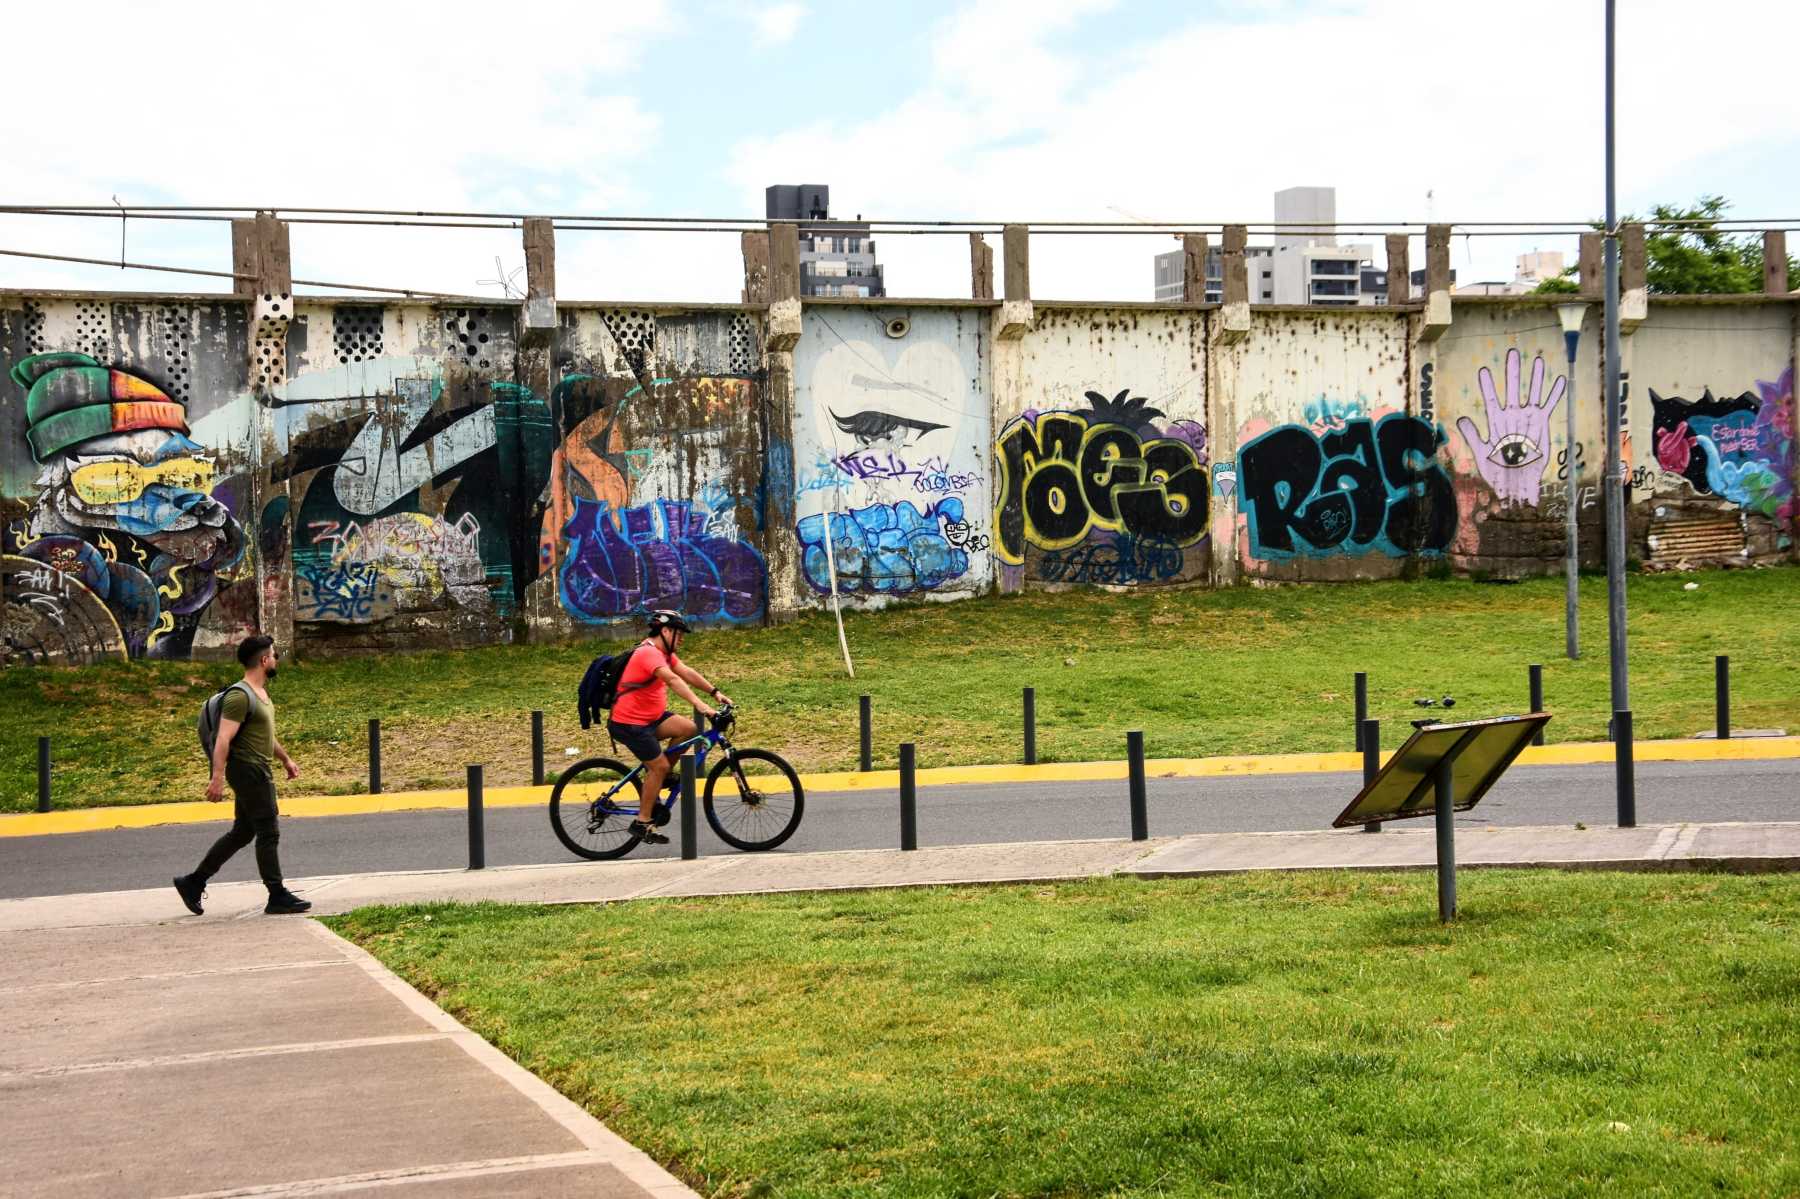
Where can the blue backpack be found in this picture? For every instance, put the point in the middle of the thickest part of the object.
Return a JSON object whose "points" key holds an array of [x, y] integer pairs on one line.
{"points": [[600, 685]]}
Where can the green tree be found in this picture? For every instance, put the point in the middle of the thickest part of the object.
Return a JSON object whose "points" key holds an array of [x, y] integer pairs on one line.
{"points": [[1692, 259]]}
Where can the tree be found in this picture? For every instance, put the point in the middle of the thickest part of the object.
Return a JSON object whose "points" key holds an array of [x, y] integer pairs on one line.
{"points": [[1692, 259]]}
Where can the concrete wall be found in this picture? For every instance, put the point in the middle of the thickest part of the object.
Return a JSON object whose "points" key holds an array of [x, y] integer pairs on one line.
{"points": [[177, 471]]}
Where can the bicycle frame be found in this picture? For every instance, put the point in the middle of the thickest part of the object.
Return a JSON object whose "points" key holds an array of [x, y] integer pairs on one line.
{"points": [[701, 742]]}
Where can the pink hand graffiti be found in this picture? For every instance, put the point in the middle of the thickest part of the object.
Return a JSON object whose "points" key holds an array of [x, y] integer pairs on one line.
{"points": [[1511, 456]]}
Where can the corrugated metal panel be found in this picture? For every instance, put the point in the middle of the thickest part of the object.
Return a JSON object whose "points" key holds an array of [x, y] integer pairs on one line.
{"points": [[1697, 539]]}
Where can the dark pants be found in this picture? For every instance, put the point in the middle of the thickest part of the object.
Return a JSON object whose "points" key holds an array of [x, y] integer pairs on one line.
{"points": [[254, 790]]}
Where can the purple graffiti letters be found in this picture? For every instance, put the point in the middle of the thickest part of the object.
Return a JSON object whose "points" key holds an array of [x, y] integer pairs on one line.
{"points": [[1511, 457], [886, 548], [611, 571]]}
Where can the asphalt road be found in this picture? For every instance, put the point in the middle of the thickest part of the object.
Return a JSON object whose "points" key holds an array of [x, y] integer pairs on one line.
{"points": [[124, 859]]}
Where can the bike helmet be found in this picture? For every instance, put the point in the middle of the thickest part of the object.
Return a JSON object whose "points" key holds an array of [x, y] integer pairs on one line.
{"points": [[665, 619]]}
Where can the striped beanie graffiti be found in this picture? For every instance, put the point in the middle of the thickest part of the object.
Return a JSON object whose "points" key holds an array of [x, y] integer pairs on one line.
{"points": [[70, 398]]}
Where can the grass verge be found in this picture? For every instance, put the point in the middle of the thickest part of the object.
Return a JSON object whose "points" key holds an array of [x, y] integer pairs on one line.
{"points": [[1231, 671], [1574, 1033]]}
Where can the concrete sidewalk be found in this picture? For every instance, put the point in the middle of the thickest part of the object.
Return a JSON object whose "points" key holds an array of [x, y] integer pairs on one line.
{"points": [[146, 1052]]}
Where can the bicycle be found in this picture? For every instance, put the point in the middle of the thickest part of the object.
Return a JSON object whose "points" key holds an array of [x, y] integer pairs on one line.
{"points": [[595, 800]]}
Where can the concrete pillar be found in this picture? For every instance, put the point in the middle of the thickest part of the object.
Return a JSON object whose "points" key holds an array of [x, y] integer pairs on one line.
{"points": [[1591, 267], [1634, 266], [539, 322], [1234, 318], [1437, 283], [259, 248], [756, 267], [1775, 272], [1016, 248], [1399, 269], [981, 268], [781, 333], [1193, 268]]}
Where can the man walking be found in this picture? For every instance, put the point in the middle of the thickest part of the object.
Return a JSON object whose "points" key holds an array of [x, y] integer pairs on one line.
{"points": [[242, 755]]}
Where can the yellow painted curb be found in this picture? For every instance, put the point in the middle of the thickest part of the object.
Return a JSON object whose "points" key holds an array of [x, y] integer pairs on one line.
{"points": [[85, 820]]}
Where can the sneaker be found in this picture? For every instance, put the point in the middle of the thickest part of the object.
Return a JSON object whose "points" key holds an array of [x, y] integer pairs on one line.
{"points": [[190, 892], [286, 903], [647, 833]]}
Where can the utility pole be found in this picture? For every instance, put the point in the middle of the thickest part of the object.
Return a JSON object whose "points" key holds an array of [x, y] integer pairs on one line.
{"points": [[1615, 476]]}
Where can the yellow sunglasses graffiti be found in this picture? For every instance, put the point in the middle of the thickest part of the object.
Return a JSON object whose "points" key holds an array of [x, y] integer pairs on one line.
{"points": [[121, 481]]}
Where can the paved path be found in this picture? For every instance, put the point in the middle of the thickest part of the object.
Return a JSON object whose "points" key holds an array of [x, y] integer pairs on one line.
{"points": [[145, 1052], [126, 859]]}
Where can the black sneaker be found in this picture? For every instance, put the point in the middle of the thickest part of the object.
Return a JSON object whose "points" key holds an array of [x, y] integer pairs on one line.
{"points": [[647, 833], [190, 892], [286, 903]]}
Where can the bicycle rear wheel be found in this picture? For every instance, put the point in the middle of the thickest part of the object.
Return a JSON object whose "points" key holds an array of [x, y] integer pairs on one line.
{"points": [[758, 799], [589, 823]]}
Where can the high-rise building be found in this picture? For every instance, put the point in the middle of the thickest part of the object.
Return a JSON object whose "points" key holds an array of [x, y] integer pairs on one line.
{"points": [[1304, 266], [836, 259]]}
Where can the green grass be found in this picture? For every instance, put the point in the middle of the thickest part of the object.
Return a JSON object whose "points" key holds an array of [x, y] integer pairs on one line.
{"points": [[1230, 671], [1573, 1034]]}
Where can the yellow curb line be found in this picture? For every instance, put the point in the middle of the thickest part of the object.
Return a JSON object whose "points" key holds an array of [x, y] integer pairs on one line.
{"points": [[85, 820]]}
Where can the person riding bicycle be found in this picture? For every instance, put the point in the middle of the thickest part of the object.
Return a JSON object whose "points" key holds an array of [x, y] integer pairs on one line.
{"points": [[641, 720]]}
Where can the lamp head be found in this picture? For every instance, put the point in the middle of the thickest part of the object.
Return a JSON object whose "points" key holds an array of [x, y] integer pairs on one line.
{"points": [[1571, 316]]}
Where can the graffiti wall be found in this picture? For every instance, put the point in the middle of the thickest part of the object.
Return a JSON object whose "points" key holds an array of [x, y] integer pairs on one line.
{"points": [[890, 444], [1101, 461]]}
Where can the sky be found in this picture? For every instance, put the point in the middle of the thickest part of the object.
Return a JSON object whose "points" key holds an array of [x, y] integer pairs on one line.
{"points": [[1002, 110]]}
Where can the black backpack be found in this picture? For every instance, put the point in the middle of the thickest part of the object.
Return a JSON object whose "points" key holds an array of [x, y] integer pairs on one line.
{"points": [[208, 724], [600, 685]]}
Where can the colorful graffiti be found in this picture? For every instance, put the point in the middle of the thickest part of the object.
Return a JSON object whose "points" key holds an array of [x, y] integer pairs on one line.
{"points": [[1065, 475], [888, 549], [1740, 449], [1113, 559], [128, 508], [1512, 455], [626, 561], [1373, 487]]}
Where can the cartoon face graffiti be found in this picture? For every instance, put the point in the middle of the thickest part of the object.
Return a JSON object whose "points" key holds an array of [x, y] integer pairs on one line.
{"points": [[120, 475]]}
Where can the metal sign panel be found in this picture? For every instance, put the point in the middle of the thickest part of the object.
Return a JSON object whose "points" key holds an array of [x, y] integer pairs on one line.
{"points": [[1480, 750]]}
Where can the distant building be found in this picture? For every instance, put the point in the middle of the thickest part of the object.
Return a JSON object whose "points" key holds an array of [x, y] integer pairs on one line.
{"points": [[1305, 265], [836, 259], [1537, 266], [1170, 270]]}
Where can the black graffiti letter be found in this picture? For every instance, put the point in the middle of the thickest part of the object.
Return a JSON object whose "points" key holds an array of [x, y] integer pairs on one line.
{"points": [[1423, 516], [1276, 472], [1352, 462], [1174, 509], [1111, 458]]}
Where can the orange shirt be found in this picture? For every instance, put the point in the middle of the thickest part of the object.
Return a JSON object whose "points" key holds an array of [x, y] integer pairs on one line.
{"points": [[647, 703]]}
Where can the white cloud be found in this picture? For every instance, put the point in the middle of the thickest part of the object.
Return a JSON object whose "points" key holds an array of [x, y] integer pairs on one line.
{"points": [[777, 23]]}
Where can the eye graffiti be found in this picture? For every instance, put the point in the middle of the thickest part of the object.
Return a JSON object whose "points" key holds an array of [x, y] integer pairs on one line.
{"points": [[872, 428]]}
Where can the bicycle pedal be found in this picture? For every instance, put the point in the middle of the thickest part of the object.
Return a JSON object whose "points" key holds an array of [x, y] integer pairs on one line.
{"points": [[660, 816]]}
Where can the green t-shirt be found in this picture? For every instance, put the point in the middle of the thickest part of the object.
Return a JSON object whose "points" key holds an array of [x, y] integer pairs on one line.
{"points": [[255, 741]]}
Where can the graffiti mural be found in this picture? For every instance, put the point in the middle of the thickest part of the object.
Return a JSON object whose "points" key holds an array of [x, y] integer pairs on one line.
{"points": [[1512, 456], [889, 549], [129, 512], [623, 562], [1375, 487], [1107, 472], [1739, 449]]}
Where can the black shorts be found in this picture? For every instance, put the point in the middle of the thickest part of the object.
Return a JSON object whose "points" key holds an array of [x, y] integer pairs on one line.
{"points": [[640, 739]]}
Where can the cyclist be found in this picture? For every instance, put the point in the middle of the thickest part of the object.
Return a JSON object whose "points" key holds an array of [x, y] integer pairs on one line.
{"points": [[641, 720]]}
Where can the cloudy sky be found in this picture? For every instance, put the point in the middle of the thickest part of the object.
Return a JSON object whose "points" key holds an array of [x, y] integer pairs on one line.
{"points": [[979, 109]]}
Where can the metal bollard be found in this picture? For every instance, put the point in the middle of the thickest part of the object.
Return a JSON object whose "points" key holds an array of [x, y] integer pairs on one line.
{"points": [[1371, 752], [1535, 676], [375, 757], [1140, 817], [690, 828], [537, 749], [1362, 705], [43, 774], [1445, 784], [477, 834], [1625, 774], [866, 722], [1031, 726], [1722, 696], [909, 798]]}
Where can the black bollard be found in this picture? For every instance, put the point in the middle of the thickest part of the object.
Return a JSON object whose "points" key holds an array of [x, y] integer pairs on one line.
{"points": [[909, 799], [1535, 674], [375, 757], [1031, 726], [1140, 817], [690, 827], [43, 774], [1446, 840], [477, 834], [1371, 752], [864, 718], [1362, 705], [537, 749], [1722, 696], [1625, 774]]}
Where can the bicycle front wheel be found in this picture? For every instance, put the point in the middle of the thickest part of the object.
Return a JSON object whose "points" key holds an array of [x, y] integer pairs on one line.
{"points": [[753, 799], [592, 813]]}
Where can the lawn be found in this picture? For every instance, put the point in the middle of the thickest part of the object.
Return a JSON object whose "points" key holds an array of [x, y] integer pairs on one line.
{"points": [[1320, 1034], [1201, 672]]}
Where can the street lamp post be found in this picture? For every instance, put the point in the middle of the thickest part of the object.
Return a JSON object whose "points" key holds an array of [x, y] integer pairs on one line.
{"points": [[1571, 316], [1624, 775]]}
